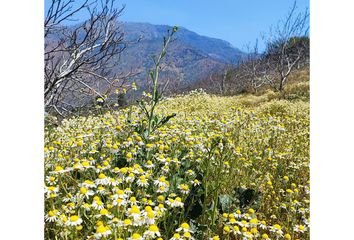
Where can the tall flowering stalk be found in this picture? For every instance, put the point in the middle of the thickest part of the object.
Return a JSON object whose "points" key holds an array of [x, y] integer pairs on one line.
{"points": [[149, 111]]}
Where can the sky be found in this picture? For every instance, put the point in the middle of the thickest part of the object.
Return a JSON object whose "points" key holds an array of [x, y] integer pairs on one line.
{"points": [[239, 22]]}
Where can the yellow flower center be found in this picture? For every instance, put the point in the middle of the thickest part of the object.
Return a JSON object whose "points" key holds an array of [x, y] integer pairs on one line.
{"points": [[187, 234], [254, 221], [136, 236], [101, 229], [265, 236], [74, 218], [83, 190], [153, 228], [127, 222], [277, 226], [104, 211], [135, 210]]}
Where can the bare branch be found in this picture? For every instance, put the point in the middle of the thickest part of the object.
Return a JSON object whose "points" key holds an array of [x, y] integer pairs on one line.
{"points": [[79, 58]]}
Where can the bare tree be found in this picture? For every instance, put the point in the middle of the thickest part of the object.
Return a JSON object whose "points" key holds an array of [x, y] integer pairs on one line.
{"points": [[286, 47], [217, 81], [251, 69], [79, 58]]}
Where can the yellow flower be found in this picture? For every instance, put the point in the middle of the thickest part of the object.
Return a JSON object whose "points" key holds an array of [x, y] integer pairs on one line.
{"points": [[287, 236], [136, 236], [185, 225], [187, 235], [226, 229], [265, 236]]}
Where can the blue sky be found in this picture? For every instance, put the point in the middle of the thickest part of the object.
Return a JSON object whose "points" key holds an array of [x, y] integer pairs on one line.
{"points": [[237, 21]]}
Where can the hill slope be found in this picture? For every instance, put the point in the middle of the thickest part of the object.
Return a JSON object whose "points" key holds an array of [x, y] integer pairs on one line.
{"points": [[190, 57]]}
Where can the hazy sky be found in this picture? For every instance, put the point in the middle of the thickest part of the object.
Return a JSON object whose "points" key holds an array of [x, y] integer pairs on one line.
{"points": [[236, 21]]}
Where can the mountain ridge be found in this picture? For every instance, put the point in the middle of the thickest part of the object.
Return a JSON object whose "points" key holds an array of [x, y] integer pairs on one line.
{"points": [[190, 58]]}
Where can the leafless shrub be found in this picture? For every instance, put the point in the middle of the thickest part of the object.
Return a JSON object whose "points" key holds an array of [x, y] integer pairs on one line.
{"points": [[287, 48], [79, 58]]}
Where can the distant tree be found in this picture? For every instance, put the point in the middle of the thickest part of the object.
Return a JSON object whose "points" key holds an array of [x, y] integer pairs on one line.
{"points": [[218, 81], [287, 46], [79, 58], [252, 70]]}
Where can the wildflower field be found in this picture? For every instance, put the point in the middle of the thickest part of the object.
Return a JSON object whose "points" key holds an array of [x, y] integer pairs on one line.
{"points": [[221, 168]]}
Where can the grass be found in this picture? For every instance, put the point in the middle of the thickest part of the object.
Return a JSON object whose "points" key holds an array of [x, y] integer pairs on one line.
{"points": [[222, 168]]}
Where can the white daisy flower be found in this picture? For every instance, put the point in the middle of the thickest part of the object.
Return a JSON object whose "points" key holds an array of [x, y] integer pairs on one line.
{"points": [[136, 236], [142, 182], [69, 198], [162, 189], [74, 221], [85, 192], [190, 173], [51, 180], [51, 189], [133, 201], [102, 180], [101, 190], [130, 178], [276, 228], [183, 188], [134, 212], [161, 181], [97, 203], [195, 182], [102, 231], [128, 191], [184, 227], [176, 236], [113, 182], [177, 202], [52, 216], [161, 158], [119, 202], [152, 232], [119, 193], [88, 184], [300, 228], [165, 169], [149, 165], [105, 212]]}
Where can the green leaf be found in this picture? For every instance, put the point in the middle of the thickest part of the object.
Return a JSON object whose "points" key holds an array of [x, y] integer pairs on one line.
{"points": [[225, 202], [248, 197]]}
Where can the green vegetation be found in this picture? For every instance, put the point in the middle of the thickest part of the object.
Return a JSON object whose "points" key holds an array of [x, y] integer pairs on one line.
{"points": [[195, 166], [222, 168]]}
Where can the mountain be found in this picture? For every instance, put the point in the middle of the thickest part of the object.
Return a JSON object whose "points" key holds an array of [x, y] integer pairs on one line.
{"points": [[189, 58]]}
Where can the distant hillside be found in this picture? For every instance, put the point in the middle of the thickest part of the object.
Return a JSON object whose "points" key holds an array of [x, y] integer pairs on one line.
{"points": [[190, 58]]}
